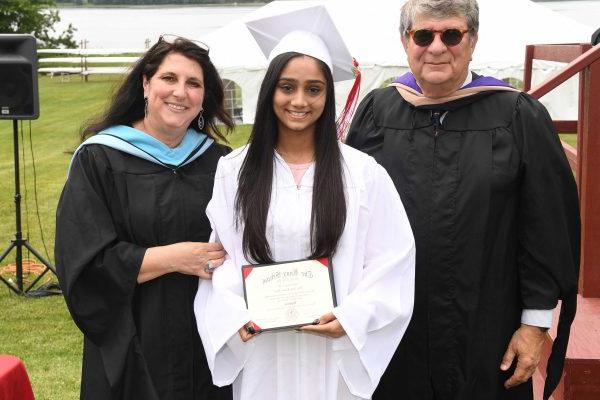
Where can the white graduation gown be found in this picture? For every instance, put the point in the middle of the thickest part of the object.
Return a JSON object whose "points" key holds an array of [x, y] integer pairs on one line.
{"points": [[374, 283]]}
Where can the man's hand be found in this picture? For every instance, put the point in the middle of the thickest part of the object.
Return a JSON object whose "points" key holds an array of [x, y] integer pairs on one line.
{"points": [[526, 344]]}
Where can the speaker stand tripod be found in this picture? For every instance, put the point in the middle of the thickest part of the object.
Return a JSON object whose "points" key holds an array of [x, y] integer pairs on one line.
{"points": [[19, 242]]}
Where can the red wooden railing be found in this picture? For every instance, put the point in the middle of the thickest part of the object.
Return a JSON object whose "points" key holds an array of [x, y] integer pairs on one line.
{"points": [[581, 378], [584, 60]]}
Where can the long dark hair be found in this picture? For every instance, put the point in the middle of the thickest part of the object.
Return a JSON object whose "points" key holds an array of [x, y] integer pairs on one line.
{"points": [[328, 216], [127, 105]]}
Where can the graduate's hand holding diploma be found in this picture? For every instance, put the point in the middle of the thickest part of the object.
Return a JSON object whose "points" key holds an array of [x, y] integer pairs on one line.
{"points": [[328, 325], [526, 345], [190, 258], [247, 332]]}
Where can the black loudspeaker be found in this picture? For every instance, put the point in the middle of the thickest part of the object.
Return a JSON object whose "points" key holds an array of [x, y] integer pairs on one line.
{"points": [[18, 77]]}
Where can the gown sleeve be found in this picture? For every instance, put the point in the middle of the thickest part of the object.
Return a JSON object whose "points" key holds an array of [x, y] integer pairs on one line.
{"points": [[376, 313], [548, 223], [364, 135], [97, 271], [548, 226], [219, 304]]}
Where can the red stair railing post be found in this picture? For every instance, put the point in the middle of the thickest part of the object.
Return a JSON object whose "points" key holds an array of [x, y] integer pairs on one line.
{"points": [[581, 376], [588, 150]]}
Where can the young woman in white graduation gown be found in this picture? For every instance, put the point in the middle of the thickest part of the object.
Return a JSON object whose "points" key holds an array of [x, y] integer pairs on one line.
{"points": [[296, 192]]}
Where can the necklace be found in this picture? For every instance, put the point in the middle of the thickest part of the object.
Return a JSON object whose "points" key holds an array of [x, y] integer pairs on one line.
{"points": [[298, 159]]}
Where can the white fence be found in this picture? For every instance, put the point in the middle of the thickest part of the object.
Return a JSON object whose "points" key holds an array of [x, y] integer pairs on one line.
{"points": [[86, 61]]}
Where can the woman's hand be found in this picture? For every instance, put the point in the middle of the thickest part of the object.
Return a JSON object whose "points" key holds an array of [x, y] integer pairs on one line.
{"points": [[196, 258], [190, 258], [328, 326], [247, 332]]}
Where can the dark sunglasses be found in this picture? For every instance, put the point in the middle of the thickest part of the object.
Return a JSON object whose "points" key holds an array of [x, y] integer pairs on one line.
{"points": [[171, 39], [424, 37]]}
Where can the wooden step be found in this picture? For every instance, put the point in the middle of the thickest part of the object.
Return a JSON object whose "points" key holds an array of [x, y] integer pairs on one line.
{"points": [[581, 376]]}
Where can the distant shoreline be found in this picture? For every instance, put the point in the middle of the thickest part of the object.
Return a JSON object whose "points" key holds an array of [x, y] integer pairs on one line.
{"points": [[221, 5], [559, 1]]}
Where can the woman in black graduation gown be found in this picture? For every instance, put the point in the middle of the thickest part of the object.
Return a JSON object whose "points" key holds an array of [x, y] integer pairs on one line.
{"points": [[132, 231]]}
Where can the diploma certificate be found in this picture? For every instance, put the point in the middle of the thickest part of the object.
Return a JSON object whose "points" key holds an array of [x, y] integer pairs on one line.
{"points": [[289, 294]]}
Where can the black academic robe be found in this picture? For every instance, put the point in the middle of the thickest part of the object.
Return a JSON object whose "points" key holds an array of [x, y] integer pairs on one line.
{"points": [[493, 206], [140, 340]]}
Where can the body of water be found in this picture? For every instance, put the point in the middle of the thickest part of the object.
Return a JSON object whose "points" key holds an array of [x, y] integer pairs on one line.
{"points": [[585, 11], [132, 27], [126, 27]]}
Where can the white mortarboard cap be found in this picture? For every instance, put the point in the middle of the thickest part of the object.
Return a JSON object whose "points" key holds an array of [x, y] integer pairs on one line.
{"points": [[309, 31]]}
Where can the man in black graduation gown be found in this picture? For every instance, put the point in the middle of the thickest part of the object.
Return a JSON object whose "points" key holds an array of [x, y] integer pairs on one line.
{"points": [[494, 210]]}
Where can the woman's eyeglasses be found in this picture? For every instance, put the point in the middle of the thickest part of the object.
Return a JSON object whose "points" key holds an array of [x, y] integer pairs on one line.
{"points": [[424, 37], [172, 39]]}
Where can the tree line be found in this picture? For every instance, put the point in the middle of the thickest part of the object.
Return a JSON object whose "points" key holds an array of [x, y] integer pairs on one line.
{"points": [[36, 17], [153, 2]]}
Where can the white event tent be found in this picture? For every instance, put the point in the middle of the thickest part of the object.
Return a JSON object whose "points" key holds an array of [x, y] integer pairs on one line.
{"points": [[370, 29]]}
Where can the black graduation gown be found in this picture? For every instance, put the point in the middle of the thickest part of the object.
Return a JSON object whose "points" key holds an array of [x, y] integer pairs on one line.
{"points": [[140, 340], [494, 210]]}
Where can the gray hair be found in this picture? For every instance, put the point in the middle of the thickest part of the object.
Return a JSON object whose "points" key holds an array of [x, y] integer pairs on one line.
{"points": [[439, 9]]}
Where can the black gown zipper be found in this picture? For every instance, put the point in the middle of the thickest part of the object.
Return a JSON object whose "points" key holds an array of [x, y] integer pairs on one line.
{"points": [[435, 118]]}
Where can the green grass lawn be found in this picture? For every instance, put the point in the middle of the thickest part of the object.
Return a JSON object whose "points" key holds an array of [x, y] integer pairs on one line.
{"points": [[569, 138], [40, 331]]}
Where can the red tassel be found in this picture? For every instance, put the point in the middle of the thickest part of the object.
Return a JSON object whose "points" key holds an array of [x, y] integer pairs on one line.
{"points": [[343, 121]]}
